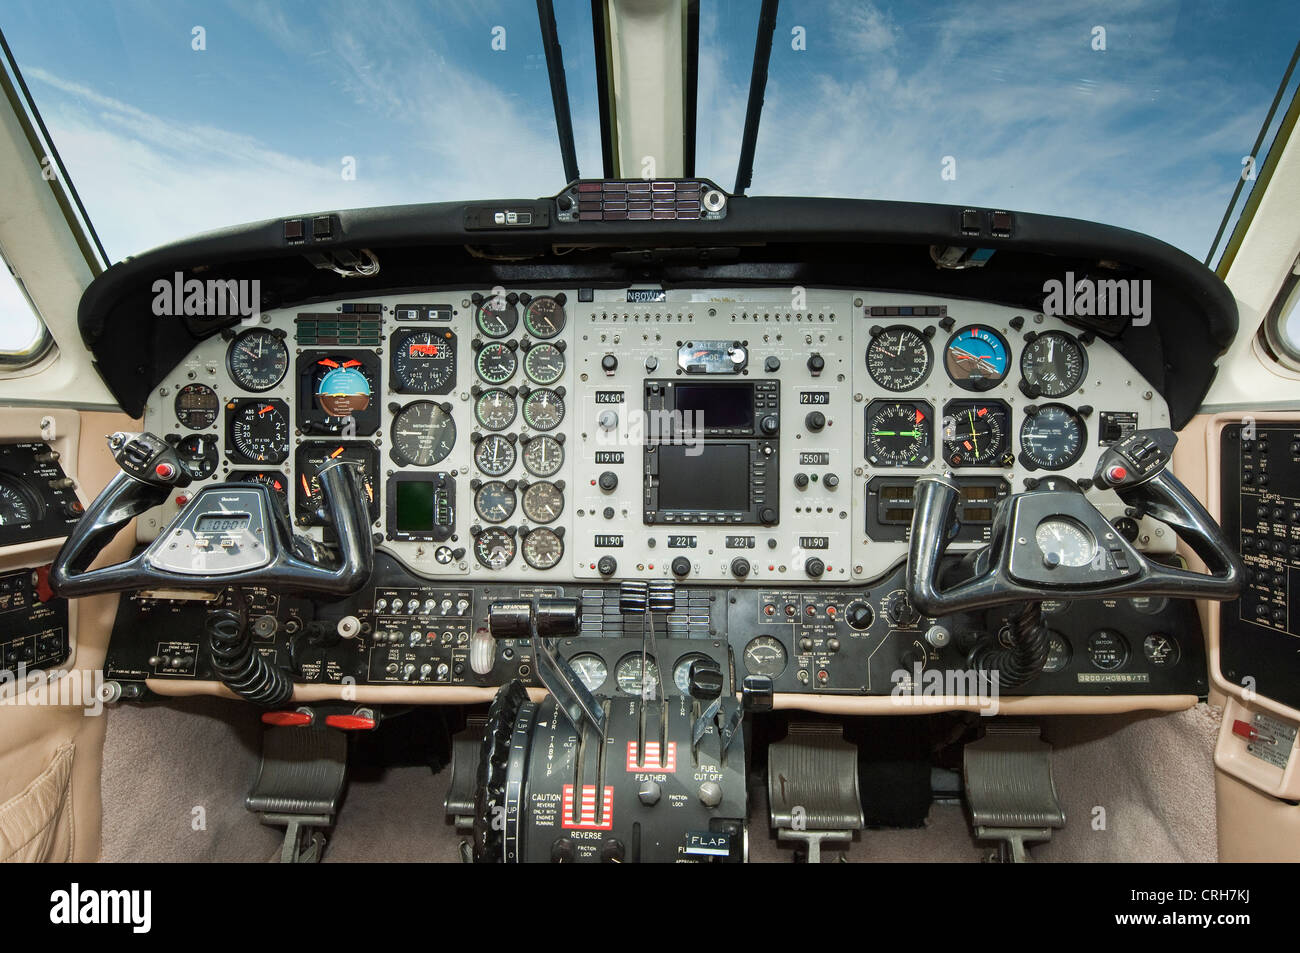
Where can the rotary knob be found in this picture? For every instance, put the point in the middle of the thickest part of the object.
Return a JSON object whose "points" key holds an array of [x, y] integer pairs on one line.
{"points": [[859, 615], [816, 364], [815, 420], [814, 567], [607, 481], [770, 424], [740, 567], [681, 566], [609, 363], [607, 565]]}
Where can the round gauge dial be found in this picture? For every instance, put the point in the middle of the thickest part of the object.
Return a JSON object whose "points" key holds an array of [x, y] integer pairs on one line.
{"points": [[765, 656], [682, 671], [494, 548], [899, 358], [273, 480], [1053, 438], [17, 507], [496, 363], [423, 433], [628, 675], [543, 456], [1107, 650], [590, 669], [544, 317], [259, 430], [1053, 364], [495, 409], [1064, 542], [424, 362], [543, 409], [341, 388], [494, 455], [494, 502], [197, 406], [496, 316], [976, 358], [543, 548], [900, 433], [543, 502], [544, 363], [1160, 650], [977, 434], [257, 359], [199, 454], [309, 460], [1059, 653]]}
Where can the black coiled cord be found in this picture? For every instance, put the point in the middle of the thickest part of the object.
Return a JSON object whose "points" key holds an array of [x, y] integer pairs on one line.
{"points": [[243, 669], [1021, 662]]}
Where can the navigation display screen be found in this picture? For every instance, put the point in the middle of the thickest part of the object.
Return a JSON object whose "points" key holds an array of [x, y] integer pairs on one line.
{"points": [[712, 477]]}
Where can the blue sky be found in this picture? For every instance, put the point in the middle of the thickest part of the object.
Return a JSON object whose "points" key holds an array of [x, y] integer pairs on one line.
{"points": [[165, 141]]}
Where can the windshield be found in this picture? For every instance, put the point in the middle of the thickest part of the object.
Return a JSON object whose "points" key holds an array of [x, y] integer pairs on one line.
{"points": [[1140, 114], [178, 117], [174, 118]]}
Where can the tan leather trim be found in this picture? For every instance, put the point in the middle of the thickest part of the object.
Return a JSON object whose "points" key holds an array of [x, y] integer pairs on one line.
{"points": [[37, 824], [1254, 826], [1029, 705]]}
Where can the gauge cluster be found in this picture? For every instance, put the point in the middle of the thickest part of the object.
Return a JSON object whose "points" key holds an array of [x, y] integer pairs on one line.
{"points": [[712, 434]]}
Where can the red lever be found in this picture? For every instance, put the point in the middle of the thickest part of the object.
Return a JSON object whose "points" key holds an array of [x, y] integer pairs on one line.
{"points": [[350, 722], [286, 719], [1248, 731]]}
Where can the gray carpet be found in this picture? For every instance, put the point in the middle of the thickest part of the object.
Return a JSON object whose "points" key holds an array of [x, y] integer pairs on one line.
{"points": [[175, 777]]}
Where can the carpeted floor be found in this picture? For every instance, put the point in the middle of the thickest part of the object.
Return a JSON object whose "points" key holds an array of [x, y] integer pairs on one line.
{"points": [[175, 777]]}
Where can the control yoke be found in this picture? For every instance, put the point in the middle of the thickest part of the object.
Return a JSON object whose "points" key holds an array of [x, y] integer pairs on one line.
{"points": [[229, 534], [1051, 542]]}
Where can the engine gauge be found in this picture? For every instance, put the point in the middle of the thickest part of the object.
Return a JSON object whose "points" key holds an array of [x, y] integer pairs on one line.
{"points": [[199, 454], [495, 548], [628, 675], [494, 455], [494, 502], [544, 409], [544, 363], [197, 406], [496, 316], [1052, 437], [257, 359], [257, 431], [307, 464], [682, 671], [1065, 542], [765, 656], [1059, 653], [590, 669], [977, 434], [18, 506], [900, 433], [495, 409], [423, 433], [1107, 650], [544, 502], [544, 317], [1053, 364], [543, 548], [423, 362], [977, 358], [899, 358], [543, 456], [1160, 650], [496, 363]]}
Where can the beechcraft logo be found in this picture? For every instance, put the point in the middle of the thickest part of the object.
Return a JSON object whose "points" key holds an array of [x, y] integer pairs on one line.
{"points": [[75, 906]]}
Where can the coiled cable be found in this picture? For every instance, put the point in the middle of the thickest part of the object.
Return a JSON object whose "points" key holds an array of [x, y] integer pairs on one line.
{"points": [[241, 668], [1022, 661]]}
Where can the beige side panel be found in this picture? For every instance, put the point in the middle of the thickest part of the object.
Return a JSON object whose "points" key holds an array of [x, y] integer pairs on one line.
{"points": [[41, 742]]}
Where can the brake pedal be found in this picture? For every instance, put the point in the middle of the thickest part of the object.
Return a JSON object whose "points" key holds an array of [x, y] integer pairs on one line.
{"points": [[1010, 790], [299, 787], [812, 787]]}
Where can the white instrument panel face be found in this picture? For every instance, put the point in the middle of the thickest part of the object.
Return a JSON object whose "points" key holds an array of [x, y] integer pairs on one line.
{"points": [[719, 430]]}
